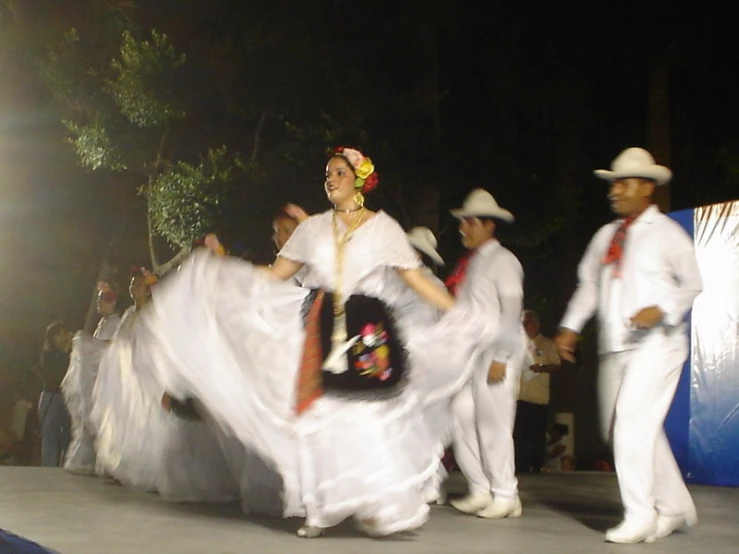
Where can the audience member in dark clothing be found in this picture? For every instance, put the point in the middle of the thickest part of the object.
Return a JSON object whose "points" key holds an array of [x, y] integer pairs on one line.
{"points": [[52, 413]]}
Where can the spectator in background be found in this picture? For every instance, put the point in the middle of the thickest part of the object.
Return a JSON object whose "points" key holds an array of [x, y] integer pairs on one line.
{"points": [[52, 413], [7, 400], [532, 411], [555, 447]]}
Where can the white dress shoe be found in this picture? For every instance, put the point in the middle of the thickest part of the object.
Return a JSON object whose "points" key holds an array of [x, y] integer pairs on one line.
{"points": [[666, 525], [502, 507], [631, 533], [473, 503], [309, 532]]}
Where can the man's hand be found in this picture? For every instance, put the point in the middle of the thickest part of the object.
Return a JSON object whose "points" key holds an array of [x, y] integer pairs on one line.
{"points": [[296, 212], [496, 372], [647, 318], [536, 368], [566, 340]]}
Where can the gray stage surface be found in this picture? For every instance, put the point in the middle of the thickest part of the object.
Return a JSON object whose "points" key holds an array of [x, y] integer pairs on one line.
{"points": [[562, 513]]}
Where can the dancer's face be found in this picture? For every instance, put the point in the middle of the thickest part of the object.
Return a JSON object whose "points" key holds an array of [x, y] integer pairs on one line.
{"points": [[630, 197], [104, 307], [475, 231], [138, 289], [339, 184]]}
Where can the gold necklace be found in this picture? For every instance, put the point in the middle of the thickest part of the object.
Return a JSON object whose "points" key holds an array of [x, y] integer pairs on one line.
{"points": [[340, 242]]}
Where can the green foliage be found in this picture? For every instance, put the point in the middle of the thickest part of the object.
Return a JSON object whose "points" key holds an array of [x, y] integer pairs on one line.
{"points": [[121, 113], [117, 109], [94, 146], [145, 86], [185, 200]]}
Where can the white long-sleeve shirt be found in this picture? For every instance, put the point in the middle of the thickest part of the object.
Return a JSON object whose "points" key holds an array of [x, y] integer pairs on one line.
{"points": [[107, 326], [658, 268], [494, 280]]}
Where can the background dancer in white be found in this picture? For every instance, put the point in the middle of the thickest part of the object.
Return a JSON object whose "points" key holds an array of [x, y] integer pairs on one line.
{"points": [[485, 409], [79, 383], [640, 274]]}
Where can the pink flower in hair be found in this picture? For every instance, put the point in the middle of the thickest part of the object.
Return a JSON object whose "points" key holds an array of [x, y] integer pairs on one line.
{"points": [[355, 157]]}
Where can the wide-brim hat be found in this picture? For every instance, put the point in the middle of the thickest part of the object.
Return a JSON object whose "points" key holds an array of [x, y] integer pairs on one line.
{"points": [[635, 162], [480, 203], [422, 239]]}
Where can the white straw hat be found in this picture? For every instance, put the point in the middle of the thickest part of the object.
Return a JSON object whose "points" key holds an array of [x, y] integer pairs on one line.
{"points": [[480, 203], [422, 239], [635, 162]]}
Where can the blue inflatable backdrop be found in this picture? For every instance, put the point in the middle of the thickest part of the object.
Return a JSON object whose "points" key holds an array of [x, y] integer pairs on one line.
{"points": [[703, 423]]}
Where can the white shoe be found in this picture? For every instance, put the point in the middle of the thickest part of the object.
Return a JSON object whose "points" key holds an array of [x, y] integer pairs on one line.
{"points": [[473, 503], [502, 507], [666, 525], [630, 533], [309, 532]]}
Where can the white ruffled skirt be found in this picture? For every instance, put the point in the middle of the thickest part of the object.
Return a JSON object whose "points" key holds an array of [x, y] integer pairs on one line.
{"points": [[232, 337], [77, 387], [142, 445]]}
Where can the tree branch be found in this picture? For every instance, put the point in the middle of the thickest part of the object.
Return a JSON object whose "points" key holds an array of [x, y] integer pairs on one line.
{"points": [[181, 255], [150, 227], [258, 137], [149, 216], [162, 146]]}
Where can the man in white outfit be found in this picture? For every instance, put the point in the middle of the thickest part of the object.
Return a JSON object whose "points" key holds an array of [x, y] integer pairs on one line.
{"points": [[484, 411], [639, 274]]}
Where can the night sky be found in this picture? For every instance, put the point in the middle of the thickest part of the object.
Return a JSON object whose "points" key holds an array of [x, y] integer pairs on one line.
{"points": [[513, 79]]}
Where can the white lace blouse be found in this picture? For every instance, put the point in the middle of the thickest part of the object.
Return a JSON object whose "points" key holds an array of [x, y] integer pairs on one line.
{"points": [[376, 248]]}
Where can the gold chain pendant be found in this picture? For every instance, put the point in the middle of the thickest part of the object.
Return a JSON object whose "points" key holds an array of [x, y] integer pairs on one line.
{"points": [[340, 242]]}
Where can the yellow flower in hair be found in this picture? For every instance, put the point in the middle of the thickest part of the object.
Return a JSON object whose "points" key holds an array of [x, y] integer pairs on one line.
{"points": [[365, 169]]}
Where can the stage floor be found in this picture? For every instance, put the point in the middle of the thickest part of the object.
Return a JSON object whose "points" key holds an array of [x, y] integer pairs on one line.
{"points": [[562, 513]]}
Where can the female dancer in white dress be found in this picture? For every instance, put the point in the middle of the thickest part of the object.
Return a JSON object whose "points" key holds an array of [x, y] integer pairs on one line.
{"points": [[139, 443], [79, 381], [352, 440]]}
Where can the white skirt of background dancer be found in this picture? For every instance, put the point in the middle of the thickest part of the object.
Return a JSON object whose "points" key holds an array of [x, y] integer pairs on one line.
{"points": [[233, 337], [142, 445], [77, 388]]}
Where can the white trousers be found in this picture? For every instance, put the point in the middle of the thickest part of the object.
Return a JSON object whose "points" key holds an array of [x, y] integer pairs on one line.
{"points": [[484, 416], [636, 388]]}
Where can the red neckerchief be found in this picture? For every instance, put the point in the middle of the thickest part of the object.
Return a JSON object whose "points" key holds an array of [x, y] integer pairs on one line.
{"points": [[457, 277], [616, 248]]}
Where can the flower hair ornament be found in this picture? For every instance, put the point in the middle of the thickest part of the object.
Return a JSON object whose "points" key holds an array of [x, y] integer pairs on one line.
{"points": [[366, 177], [149, 278], [106, 293]]}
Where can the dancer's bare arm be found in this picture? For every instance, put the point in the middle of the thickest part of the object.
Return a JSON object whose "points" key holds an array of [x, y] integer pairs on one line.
{"points": [[283, 269], [427, 289]]}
